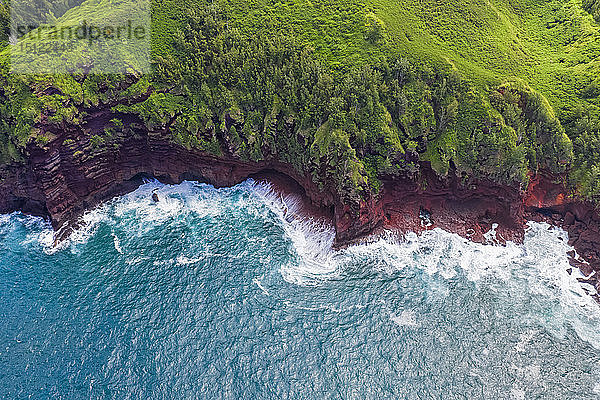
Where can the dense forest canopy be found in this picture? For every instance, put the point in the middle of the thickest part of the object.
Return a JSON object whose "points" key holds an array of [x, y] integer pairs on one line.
{"points": [[350, 92]]}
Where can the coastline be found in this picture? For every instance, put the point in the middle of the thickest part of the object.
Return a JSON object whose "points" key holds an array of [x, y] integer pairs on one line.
{"points": [[472, 214], [60, 184]]}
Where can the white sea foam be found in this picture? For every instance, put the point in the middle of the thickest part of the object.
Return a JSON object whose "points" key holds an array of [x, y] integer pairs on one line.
{"points": [[407, 318], [85, 229], [312, 239], [117, 243], [5, 222], [537, 268], [524, 340], [517, 394], [491, 236], [258, 283], [183, 260]]}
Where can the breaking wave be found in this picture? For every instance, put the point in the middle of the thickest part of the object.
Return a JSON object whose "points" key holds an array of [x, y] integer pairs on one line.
{"points": [[241, 281]]}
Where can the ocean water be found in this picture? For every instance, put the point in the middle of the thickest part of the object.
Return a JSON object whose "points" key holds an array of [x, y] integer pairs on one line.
{"points": [[227, 294]]}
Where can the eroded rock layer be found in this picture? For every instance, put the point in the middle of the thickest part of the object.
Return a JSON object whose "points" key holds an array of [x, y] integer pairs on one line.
{"points": [[65, 177]]}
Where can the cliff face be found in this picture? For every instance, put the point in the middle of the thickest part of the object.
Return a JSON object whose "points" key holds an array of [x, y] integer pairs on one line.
{"points": [[20, 191], [66, 176]]}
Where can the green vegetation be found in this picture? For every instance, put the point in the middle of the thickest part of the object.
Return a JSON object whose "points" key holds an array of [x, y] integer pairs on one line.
{"points": [[352, 91], [593, 7]]}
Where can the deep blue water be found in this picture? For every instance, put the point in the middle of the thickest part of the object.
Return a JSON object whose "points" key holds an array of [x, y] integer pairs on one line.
{"points": [[221, 294]]}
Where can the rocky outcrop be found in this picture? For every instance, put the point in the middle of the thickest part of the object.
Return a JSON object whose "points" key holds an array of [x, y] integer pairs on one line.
{"points": [[19, 190], [468, 208], [69, 174]]}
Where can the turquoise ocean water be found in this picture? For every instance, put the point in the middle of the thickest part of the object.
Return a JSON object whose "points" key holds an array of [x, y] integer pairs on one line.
{"points": [[225, 294]]}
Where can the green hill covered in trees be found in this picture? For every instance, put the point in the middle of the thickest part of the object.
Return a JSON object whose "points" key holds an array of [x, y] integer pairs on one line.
{"points": [[350, 91]]}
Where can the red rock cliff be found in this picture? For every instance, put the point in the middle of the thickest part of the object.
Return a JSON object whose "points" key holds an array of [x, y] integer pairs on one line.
{"points": [[63, 178]]}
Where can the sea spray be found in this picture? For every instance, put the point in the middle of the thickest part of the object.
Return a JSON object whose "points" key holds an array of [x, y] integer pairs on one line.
{"points": [[312, 238], [539, 265], [235, 289]]}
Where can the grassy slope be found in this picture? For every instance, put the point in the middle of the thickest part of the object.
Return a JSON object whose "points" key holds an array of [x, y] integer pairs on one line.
{"points": [[335, 29], [552, 45]]}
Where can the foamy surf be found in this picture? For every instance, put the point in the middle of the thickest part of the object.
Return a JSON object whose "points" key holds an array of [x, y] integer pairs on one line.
{"points": [[538, 267], [240, 278], [312, 239]]}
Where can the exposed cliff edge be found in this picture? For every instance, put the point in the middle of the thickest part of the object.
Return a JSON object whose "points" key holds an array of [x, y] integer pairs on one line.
{"points": [[63, 178], [67, 175]]}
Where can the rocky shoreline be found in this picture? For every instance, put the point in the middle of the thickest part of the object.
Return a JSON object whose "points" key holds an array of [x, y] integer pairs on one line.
{"points": [[63, 178], [548, 200]]}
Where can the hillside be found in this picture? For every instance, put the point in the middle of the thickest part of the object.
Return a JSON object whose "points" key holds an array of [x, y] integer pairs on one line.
{"points": [[489, 41], [349, 92], [552, 46]]}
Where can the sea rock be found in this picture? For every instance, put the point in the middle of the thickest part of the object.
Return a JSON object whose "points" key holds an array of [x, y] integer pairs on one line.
{"points": [[569, 219]]}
